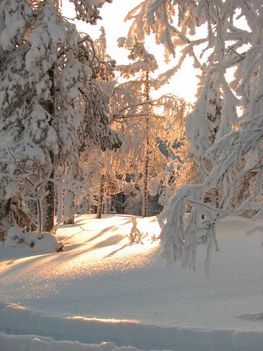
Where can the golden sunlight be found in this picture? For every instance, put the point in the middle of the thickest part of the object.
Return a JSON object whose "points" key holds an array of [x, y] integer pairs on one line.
{"points": [[183, 83], [100, 249]]}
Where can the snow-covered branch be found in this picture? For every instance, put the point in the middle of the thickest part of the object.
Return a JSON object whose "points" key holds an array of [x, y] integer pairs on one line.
{"points": [[227, 143]]}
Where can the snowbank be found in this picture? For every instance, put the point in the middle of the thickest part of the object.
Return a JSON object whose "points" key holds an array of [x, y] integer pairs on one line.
{"points": [[15, 319], [34, 343], [39, 243]]}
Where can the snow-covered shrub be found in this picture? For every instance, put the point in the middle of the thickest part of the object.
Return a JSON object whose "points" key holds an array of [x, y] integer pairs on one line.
{"points": [[40, 243]]}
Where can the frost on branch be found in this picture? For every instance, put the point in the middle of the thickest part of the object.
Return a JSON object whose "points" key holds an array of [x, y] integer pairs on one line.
{"points": [[156, 16], [227, 146], [88, 10], [189, 220]]}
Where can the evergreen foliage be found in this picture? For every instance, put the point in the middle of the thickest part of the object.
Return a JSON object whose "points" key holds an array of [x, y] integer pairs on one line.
{"points": [[50, 104]]}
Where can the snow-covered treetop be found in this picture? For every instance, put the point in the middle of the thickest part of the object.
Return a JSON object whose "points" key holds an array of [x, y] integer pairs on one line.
{"points": [[49, 98], [142, 60], [88, 10], [103, 65], [159, 17]]}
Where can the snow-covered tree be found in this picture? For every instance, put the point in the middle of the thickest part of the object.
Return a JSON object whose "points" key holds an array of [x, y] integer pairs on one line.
{"points": [[51, 106], [101, 170], [135, 103], [98, 168], [225, 36], [149, 127]]}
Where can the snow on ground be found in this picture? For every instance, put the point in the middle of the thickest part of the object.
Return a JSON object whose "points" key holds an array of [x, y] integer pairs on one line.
{"points": [[103, 290], [33, 343]]}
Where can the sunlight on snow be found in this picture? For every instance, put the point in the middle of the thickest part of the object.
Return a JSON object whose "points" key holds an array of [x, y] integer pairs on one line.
{"points": [[104, 320], [93, 248]]}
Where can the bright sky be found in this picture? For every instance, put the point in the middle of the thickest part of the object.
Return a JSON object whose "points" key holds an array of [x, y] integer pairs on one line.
{"points": [[183, 84]]}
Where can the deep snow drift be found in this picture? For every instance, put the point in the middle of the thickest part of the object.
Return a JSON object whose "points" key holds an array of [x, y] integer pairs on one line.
{"points": [[102, 289]]}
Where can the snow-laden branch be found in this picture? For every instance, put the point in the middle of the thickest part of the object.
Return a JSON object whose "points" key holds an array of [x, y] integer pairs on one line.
{"points": [[225, 129]]}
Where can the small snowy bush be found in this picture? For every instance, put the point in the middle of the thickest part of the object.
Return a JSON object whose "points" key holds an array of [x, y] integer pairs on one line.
{"points": [[44, 242]]}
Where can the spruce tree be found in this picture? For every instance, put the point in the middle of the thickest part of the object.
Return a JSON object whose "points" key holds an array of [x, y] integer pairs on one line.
{"points": [[51, 106]]}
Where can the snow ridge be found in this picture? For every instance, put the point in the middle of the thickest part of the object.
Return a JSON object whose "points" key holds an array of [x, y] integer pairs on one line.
{"points": [[15, 319]]}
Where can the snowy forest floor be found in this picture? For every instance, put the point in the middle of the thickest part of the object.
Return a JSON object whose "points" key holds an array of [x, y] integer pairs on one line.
{"points": [[102, 289]]}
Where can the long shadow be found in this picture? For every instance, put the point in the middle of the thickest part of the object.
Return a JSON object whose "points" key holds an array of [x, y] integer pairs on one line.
{"points": [[83, 230], [100, 233], [20, 267], [71, 236], [115, 251], [76, 245], [128, 221], [94, 237], [48, 258], [113, 240], [108, 242]]}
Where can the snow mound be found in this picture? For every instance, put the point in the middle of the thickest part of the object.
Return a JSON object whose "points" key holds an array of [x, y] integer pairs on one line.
{"points": [[40, 243], [33, 343], [106, 333]]}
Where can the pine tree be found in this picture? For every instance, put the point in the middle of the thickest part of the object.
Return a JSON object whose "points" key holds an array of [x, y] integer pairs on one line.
{"points": [[51, 106]]}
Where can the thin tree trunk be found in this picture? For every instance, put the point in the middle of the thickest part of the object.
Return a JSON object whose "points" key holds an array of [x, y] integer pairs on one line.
{"points": [[50, 187], [146, 173], [50, 204], [60, 201], [39, 215], [147, 152], [101, 197]]}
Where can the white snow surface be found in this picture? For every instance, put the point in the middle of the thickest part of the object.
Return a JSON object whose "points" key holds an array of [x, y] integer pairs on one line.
{"points": [[102, 293]]}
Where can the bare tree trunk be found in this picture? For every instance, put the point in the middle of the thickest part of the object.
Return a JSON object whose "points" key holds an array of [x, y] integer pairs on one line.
{"points": [[101, 197]]}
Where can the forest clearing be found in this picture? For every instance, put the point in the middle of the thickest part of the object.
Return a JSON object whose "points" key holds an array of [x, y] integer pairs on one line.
{"points": [[131, 175]]}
